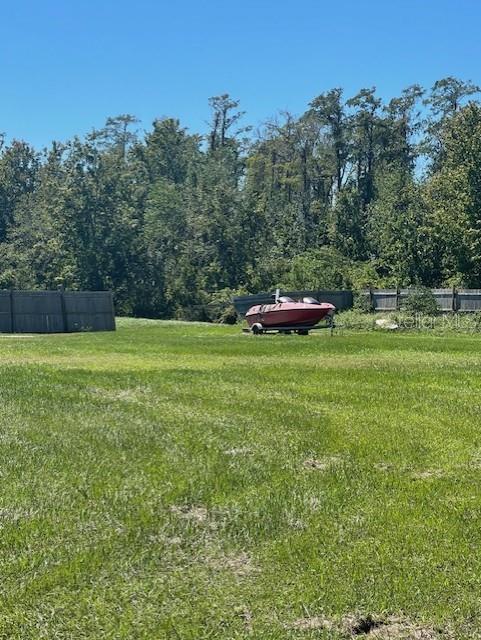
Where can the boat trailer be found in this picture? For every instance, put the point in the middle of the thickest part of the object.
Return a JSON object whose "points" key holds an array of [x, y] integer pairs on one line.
{"points": [[258, 329]]}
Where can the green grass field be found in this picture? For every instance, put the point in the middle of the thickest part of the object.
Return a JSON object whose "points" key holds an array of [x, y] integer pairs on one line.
{"points": [[187, 481]]}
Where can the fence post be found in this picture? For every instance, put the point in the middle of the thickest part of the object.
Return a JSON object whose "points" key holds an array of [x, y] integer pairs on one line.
{"points": [[12, 313], [61, 290], [350, 299], [112, 307], [454, 306], [398, 298], [371, 299]]}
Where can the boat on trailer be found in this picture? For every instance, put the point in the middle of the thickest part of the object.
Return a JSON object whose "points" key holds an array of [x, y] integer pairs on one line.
{"points": [[286, 315]]}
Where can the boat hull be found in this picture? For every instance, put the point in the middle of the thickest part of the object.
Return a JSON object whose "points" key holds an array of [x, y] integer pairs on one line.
{"points": [[288, 314]]}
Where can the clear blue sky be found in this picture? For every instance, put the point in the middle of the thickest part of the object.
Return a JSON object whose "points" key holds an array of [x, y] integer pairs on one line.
{"points": [[66, 66]]}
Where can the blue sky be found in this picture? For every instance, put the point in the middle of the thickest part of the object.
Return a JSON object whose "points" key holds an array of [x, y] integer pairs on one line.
{"points": [[66, 66]]}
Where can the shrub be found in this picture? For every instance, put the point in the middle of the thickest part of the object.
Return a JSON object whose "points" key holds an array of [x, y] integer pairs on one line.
{"points": [[220, 308], [362, 302], [420, 301], [355, 320], [476, 320]]}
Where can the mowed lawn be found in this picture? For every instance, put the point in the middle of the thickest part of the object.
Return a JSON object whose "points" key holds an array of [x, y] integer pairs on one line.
{"points": [[187, 481]]}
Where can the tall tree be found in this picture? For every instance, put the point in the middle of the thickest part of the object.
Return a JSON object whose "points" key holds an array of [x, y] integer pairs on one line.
{"points": [[329, 111], [365, 124], [401, 130], [447, 97], [454, 198], [224, 116], [19, 168]]}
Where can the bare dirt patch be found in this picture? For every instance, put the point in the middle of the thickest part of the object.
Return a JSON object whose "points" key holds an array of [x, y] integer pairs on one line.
{"points": [[372, 627], [311, 624], [239, 564], [389, 629], [190, 512], [238, 451], [9, 515], [246, 616], [428, 474], [135, 394], [475, 462], [384, 466], [321, 464]]}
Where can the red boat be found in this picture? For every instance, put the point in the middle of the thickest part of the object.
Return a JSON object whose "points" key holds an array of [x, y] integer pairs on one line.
{"points": [[286, 314]]}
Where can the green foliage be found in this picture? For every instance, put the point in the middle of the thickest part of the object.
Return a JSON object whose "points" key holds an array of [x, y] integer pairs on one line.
{"points": [[323, 268], [476, 319], [364, 275], [453, 195], [332, 199], [398, 231], [362, 301], [420, 301], [355, 319], [220, 308]]}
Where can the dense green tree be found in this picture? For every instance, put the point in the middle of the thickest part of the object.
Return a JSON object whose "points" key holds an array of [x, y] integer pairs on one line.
{"points": [[19, 168], [454, 198], [329, 111], [168, 151], [398, 233], [446, 98], [170, 220], [401, 131], [314, 269], [365, 125]]}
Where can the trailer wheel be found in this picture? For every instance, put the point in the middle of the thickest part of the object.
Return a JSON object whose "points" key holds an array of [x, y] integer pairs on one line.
{"points": [[303, 332], [257, 329]]}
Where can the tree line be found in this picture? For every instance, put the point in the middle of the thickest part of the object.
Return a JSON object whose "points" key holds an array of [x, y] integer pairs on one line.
{"points": [[355, 192]]}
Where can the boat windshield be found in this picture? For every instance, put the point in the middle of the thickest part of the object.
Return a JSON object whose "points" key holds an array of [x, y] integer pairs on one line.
{"points": [[285, 299], [309, 300]]}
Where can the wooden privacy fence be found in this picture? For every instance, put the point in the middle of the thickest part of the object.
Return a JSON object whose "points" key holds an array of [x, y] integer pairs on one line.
{"points": [[462, 300], [447, 299], [56, 311]]}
